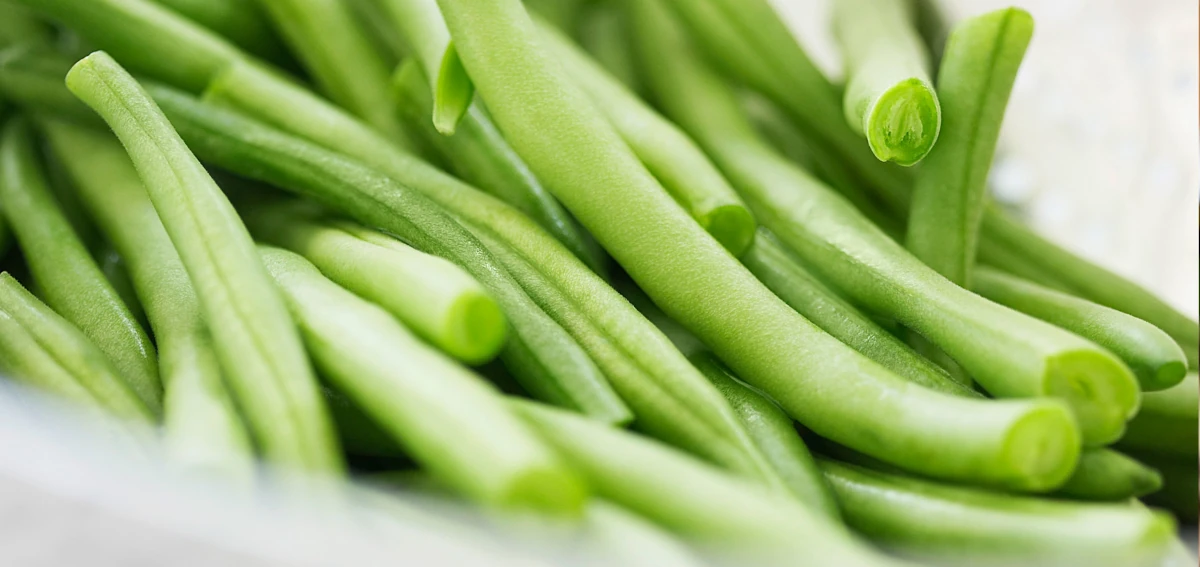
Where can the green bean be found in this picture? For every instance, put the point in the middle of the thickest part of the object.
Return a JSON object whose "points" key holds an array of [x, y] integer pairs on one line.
{"points": [[889, 94], [421, 25], [780, 271], [243, 23], [332, 47], [202, 426], [691, 498], [1154, 356], [18, 26], [964, 526], [1104, 474], [1010, 354], [44, 349], [480, 155], [775, 435], [33, 79], [550, 363], [446, 417], [1168, 422], [432, 296], [66, 275], [571, 147], [115, 270], [672, 157], [976, 78], [147, 37], [258, 346]]}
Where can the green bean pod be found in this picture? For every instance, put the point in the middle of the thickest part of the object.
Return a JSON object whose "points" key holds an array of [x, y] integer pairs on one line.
{"points": [[450, 420], [203, 429], [1104, 474], [889, 93], [550, 362], [1168, 422], [1153, 355], [974, 83], [258, 346], [44, 349], [965, 526], [66, 275]]}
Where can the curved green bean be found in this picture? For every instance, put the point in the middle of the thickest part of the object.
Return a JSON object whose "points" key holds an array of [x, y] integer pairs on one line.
{"points": [[1168, 423], [258, 346], [66, 275], [1104, 474]]}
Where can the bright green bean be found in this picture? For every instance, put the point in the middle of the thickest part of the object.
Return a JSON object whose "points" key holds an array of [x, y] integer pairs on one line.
{"points": [[1153, 355], [450, 420], [548, 361], [257, 344], [976, 78], [336, 52], [1104, 474], [1010, 354], [818, 380], [202, 426], [691, 498], [1168, 422], [242, 22], [66, 275], [433, 297], [775, 435], [673, 158], [44, 349], [889, 94]]}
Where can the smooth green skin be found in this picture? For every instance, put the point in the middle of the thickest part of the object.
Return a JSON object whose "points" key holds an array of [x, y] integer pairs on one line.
{"points": [[33, 79], [147, 37], [112, 265], [1010, 354], [980, 65], [203, 429], [44, 349], [692, 498], [241, 21], [673, 158], [480, 155], [420, 24], [258, 346], [818, 380], [889, 93], [334, 49], [963, 525], [17, 25], [450, 420], [1179, 491], [1153, 355], [66, 275], [549, 363], [1168, 423], [1104, 474], [433, 297], [783, 274], [774, 433]]}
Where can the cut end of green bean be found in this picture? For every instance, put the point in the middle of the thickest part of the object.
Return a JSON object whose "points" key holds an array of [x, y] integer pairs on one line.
{"points": [[1101, 391], [476, 329], [733, 226], [1036, 446], [453, 93], [904, 123]]}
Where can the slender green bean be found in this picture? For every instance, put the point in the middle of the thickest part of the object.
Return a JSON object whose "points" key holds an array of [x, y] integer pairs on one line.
{"points": [[691, 498], [1153, 355], [257, 344], [571, 147], [1010, 354], [450, 420], [66, 275], [681, 167], [1168, 423], [965, 526], [1104, 474], [480, 155], [420, 24], [433, 297], [547, 360], [889, 94], [331, 45], [202, 426], [115, 270], [44, 349], [976, 78], [775, 435], [242, 22]]}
